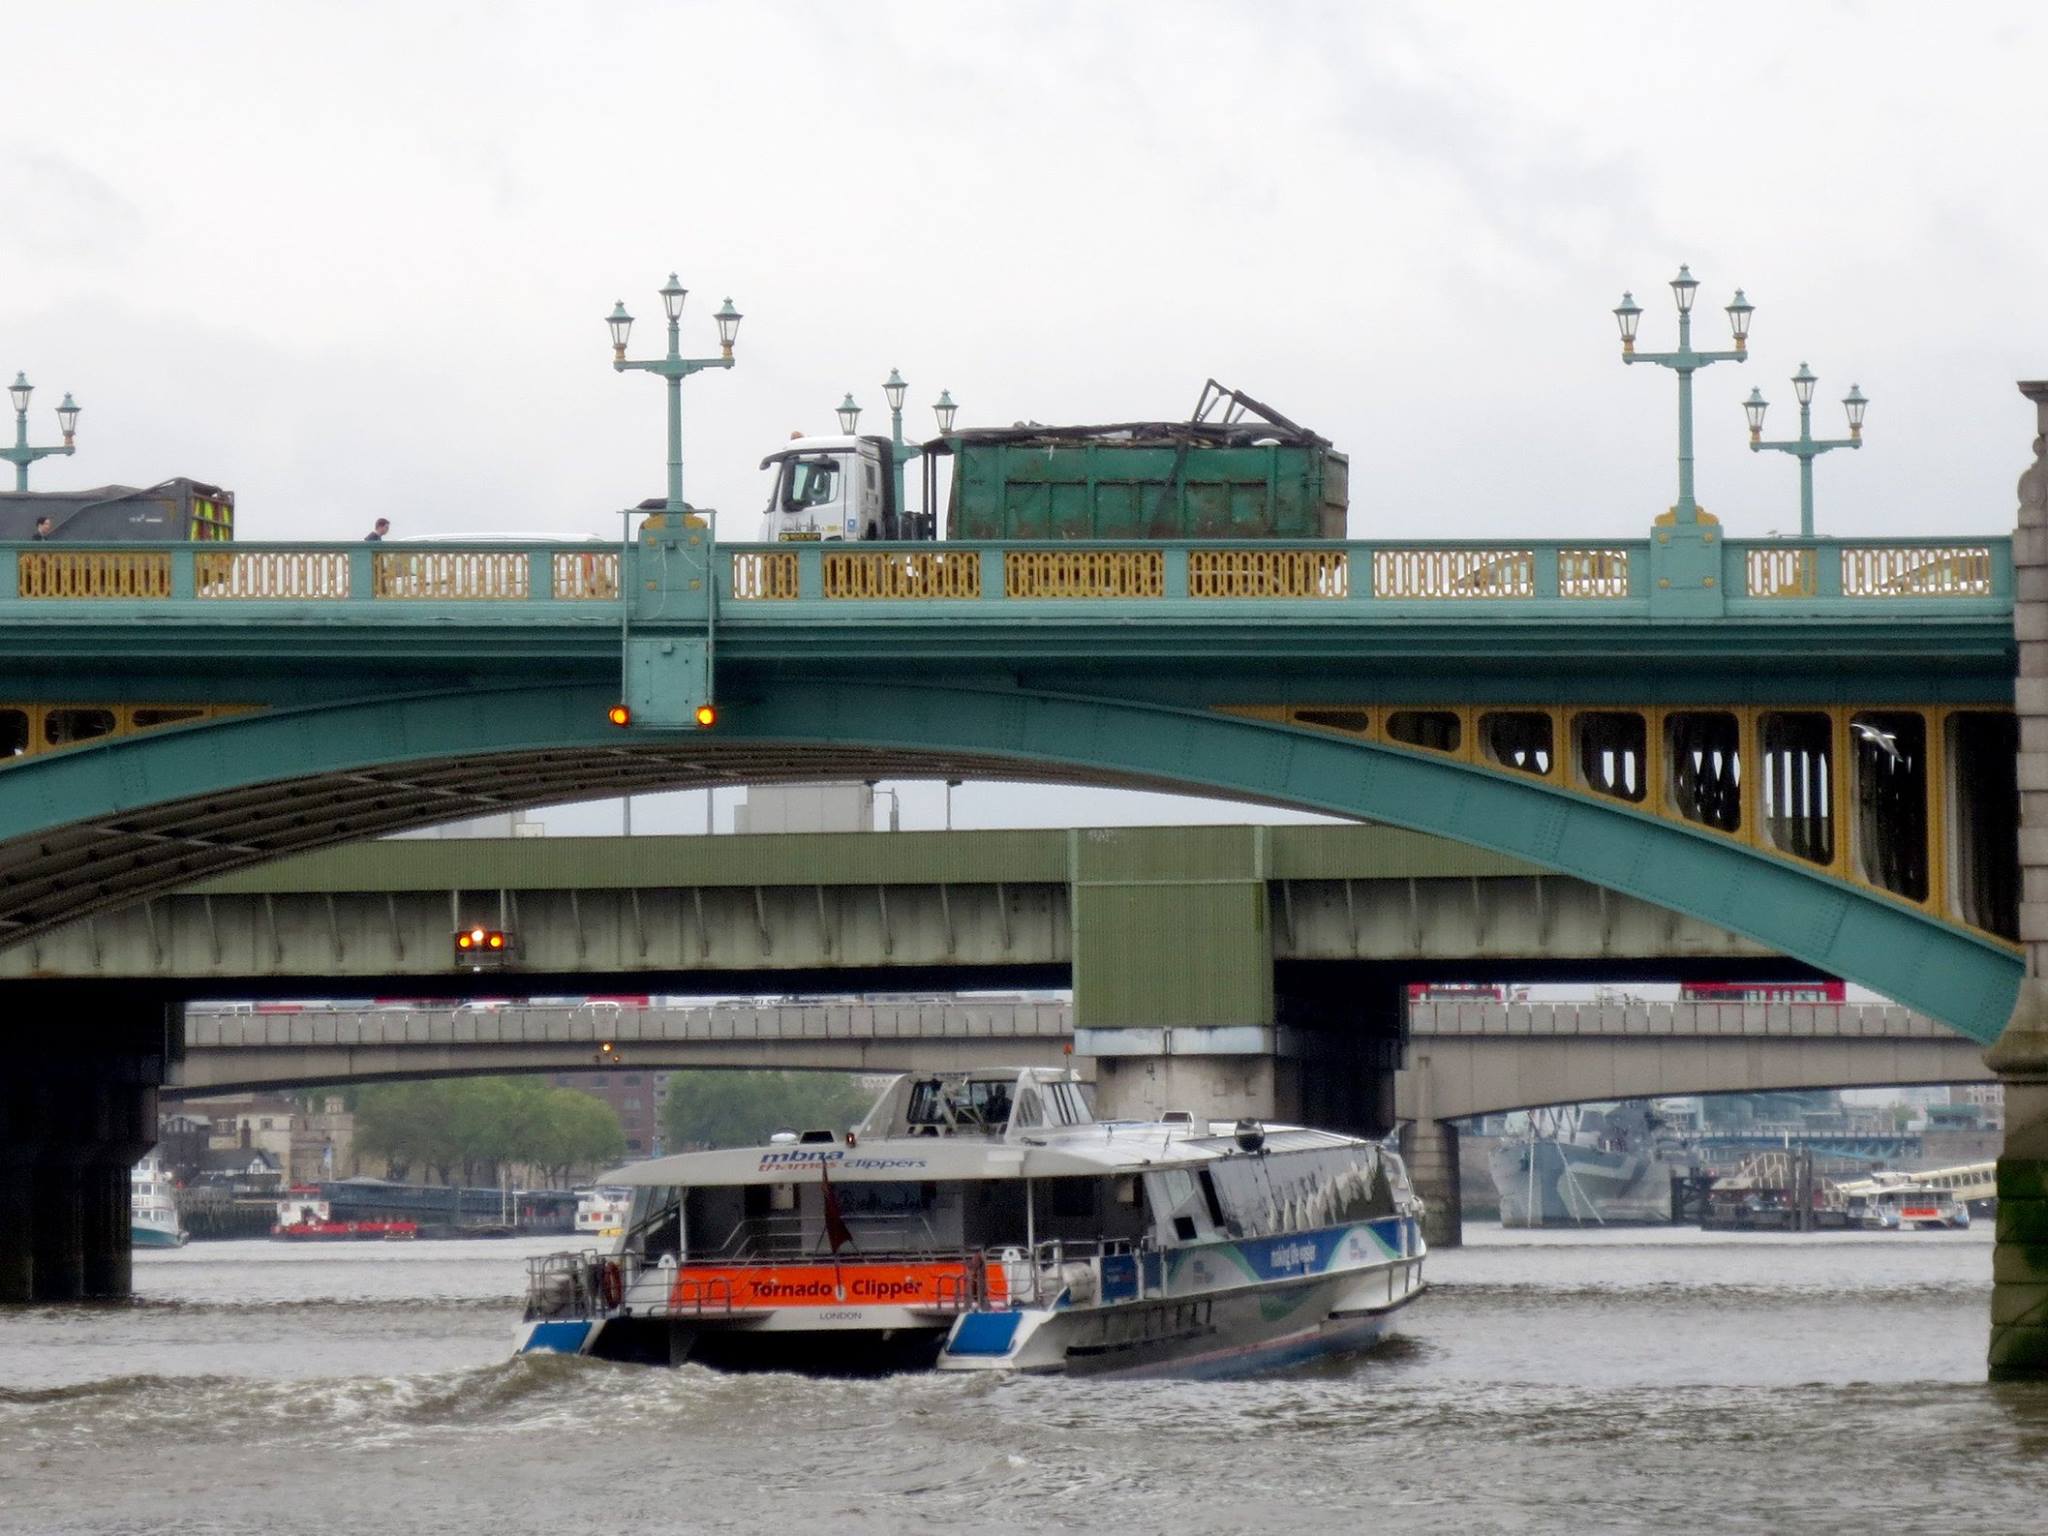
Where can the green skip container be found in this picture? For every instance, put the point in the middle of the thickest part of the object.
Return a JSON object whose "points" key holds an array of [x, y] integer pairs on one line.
{"points": [[1142, 480]]}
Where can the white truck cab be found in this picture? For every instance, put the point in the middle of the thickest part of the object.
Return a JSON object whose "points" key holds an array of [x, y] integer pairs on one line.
{"points": [[833, 488]]}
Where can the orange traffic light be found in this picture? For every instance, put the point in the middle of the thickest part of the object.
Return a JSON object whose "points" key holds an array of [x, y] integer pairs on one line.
{"points": [[618, 714], [707, 716], [475, 946]]}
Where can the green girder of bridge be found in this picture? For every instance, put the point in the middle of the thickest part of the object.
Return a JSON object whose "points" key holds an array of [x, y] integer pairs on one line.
{"points": [[369, 716]]}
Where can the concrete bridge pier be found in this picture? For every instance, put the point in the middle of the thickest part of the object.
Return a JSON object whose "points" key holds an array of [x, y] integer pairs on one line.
{"points": [[73, 1121], [1173, 977], [2019, 1262], [1176, 999], [17, 1208], [1430, 1146], [1431, 1150]]}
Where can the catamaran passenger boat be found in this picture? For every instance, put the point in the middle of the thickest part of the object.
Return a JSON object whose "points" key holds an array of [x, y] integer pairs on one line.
{"points": [[980, 1221]]}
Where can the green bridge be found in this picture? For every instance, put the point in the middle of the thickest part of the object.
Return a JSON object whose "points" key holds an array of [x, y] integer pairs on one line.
{"points": [[1809, 743]]}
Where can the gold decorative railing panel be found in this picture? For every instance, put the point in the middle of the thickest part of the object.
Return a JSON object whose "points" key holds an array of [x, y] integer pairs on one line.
{"points": [[901, 576], [1453, 573], [1781, 573], [1925, 570], [764, 577], [95, 573], [1268, 573], [1089, 573], [316, 575], [453, 575], [591, 575], [1592, 573]]}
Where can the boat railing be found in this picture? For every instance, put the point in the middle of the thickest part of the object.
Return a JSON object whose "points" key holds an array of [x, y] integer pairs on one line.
{"points": [[565, 1285], [1084, 1269], [698, 1295]]}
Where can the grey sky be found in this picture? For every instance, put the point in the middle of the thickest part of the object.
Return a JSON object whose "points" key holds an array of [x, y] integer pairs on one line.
{"points": [[354, 259]]}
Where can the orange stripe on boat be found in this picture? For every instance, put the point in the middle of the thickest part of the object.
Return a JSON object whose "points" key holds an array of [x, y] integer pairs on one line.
{"points": [[824, 1284]]}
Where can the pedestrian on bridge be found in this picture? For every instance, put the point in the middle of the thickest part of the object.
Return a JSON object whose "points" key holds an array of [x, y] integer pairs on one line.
{"points": [[44, 528], [376, 534]]}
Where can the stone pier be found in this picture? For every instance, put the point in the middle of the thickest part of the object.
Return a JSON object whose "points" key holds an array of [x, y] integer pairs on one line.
{"points": [[77, 1109], [2019, 1262], [1431, 1148]]}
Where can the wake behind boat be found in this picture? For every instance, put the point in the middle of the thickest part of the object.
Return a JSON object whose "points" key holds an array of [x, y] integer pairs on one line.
{"points": [[987, 1220]]}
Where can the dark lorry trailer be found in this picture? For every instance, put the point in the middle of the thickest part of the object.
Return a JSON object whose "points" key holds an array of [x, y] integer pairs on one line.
{"points": [[175, 511]]}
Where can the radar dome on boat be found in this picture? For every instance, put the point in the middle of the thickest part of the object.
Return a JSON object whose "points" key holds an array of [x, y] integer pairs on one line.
{"points": [[1250, 1135]]}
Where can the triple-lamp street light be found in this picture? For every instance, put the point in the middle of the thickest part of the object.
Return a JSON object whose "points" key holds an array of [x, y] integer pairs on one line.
{"points": [[21, 455], [674, 368], [1685, 362], [893, 390], [1806, 447]]}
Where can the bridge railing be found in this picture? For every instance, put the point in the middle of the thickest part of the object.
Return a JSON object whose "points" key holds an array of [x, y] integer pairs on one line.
{"points": [[1684, 1019], [1588, 577], [310, 573]]}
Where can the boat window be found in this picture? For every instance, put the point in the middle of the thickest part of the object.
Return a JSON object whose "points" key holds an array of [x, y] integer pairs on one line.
{"points": [[885, 1199], [1068, 1106], [1029, 1112], [926, 1106], [1209, 1198], [1073, 1197], [986, 1103]]}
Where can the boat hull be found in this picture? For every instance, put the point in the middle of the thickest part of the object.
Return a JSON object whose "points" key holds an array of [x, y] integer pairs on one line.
{"points": [[1240, 1341], [738, 1347], [140, 1236], [1200, 1326], [347, 1232]]}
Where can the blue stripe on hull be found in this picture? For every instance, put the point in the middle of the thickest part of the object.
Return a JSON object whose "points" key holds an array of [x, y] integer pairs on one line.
{"points": [[556, 1338]]}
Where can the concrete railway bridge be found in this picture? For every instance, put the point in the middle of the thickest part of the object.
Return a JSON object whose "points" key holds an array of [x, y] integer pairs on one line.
{"points": [[1460, 1059]]}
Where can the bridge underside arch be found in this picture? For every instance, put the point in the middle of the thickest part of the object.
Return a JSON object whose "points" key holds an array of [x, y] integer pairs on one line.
{"points": [[107, 824]]}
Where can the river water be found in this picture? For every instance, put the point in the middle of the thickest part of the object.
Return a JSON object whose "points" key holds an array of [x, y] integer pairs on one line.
{"points": [[1614, 1381]]}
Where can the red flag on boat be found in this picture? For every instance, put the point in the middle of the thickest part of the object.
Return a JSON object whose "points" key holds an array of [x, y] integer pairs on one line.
{"points": [[836, 1231]]}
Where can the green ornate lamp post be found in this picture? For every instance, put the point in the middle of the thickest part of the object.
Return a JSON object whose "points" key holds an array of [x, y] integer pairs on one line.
{"points": [[674, 368], [1806, 447], [893, 390], [1685, 362], [21, 455]]}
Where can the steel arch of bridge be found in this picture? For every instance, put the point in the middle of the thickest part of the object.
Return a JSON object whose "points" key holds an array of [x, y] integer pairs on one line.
{"points": [[109, 823]]}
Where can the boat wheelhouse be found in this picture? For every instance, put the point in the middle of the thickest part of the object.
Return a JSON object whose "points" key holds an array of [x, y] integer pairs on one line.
{"points": [[987, 1220]]}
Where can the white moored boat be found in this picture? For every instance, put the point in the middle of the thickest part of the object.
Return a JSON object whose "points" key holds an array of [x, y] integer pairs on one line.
{"points": [[153, 1206], [987, 1221], [602, 1212]]}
